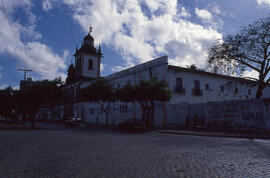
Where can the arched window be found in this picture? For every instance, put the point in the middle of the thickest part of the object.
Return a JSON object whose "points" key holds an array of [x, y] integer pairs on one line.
{"points": [[90, 64]]}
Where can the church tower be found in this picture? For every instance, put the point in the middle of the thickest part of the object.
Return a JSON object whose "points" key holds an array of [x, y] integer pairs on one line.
{"points": [[87, 59]]}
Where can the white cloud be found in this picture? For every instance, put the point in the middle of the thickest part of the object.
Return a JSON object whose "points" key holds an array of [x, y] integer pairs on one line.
{"points": [[3, 86], [66, 54], [47, 5], [140, 37], [263, 2], [214, 8], [119, 68], [203, 14], [31, 53], [44, 61], [164, 6], [251, 74], [102, 66], [15, 87], [184, 12]]}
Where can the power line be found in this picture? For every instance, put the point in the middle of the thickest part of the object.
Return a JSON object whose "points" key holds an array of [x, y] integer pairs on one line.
{"points": [[235, 21], [193, 6]]}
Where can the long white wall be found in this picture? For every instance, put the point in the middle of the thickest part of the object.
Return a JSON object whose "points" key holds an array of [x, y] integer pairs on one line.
{"points": [[165, 112], [214, 92]]}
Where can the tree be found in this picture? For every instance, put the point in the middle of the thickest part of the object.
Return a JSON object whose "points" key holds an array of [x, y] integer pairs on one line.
{"points": [[71, 74], [192, 67], [145, 93], [41, 93], [7, 102], [247, 50], [101, 92]]}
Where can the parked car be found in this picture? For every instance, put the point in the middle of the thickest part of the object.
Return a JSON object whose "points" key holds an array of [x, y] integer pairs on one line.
{"points": [[132, 124], [74, 122]]}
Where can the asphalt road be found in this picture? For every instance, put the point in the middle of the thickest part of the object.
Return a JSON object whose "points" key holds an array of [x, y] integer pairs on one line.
{"points": [[58, 152]]}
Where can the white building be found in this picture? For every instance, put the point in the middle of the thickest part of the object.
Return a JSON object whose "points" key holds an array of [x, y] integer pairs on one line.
{"points": [[187, 86]]}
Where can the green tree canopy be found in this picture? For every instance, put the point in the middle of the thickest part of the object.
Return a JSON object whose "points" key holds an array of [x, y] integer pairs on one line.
{"points": [[7, 101], [145, 93], [40, 93], [101, 92], [71, 74]]}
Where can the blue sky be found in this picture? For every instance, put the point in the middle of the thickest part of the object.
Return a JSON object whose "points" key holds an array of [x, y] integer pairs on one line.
{"points": [[42, 34]]}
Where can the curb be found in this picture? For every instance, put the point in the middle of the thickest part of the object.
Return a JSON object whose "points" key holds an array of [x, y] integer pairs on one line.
{"points": [[19, 128], [215, 135]]}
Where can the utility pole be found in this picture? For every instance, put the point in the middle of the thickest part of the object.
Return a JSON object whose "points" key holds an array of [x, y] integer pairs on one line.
{"points": [[25, 70]]}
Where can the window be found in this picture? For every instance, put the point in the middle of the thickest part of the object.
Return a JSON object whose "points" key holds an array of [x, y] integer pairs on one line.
{"points": [[236, 90], [197, 84], [249, 92], [179, 82], [196, 91], [154, 74], [207, 86], [90, 64], [222, 88], [179, 85], [123, 108]]}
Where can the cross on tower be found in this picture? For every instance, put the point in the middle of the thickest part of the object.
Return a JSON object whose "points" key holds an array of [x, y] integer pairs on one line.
{"points": [[90, 29]]}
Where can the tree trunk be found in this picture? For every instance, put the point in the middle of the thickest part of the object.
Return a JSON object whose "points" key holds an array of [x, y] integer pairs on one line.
{"points": [[97, 121], [33, 122], [107, 120], [259, 89], [143, 111], [23, 118], [152, 114]]}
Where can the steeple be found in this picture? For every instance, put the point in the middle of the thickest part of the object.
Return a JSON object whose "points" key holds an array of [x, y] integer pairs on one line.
{"points": [[88, 46], [87, 59], [88, 39]]}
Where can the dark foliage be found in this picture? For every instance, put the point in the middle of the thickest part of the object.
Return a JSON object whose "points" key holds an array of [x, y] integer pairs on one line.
{"points": [[71, 75], [145, 93], [7, 102], [41, 93], [247, 50], [101, 92]]}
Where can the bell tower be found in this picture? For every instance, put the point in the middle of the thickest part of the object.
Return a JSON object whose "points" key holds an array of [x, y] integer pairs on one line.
{"points": [[87, 59]]}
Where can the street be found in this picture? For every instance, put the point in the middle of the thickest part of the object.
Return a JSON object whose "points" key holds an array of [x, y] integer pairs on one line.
{"points": [[59, 152]]}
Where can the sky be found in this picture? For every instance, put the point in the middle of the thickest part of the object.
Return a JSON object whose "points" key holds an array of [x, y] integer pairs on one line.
{"points": [[42, 35]]}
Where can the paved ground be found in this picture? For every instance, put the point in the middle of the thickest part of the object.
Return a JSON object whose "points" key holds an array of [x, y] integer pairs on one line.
{"points": [[59, 152]]}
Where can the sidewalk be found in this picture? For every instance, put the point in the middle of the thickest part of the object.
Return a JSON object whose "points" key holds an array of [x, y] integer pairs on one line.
{"points": [[27, 126], [210, 133]]}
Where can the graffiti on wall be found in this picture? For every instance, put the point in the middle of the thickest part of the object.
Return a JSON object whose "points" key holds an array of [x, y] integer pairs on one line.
{"points": [[238, 115], [252, 116]]}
